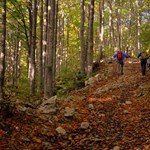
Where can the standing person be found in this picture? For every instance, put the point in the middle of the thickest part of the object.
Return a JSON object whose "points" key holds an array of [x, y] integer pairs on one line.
{"points": [[148, 60], [120, 60], [143, 56]]}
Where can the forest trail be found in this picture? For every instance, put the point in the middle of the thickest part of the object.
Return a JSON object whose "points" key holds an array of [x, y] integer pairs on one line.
{"points": [[113, 113]]}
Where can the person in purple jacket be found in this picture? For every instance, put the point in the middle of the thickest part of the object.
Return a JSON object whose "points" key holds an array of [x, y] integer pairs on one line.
{"points": [[120, 60]]}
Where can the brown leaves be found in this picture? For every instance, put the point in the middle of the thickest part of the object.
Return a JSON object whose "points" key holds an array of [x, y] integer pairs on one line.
{"points": [[119, 118], [2, 133]]}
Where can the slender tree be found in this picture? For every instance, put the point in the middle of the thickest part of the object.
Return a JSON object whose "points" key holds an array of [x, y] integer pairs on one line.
{"points": [[138, 42], [118, 13], [101, 19], [60, 54], [111, 25], [90, 39], [40, 67], [55, 42], [3, 49], [16, 60], [45, 30], [82, 42], [33, 23], [50, 52]]}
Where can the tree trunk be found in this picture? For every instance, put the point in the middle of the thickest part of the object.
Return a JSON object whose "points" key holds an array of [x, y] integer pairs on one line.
{"points": [[18, 53], [148, 7], [87, 37], [55, 43], [40, 67], [50, 53], [66, 51], [138, 43], [101, 19], [33, 47], [82, 43], [32, 8], [3, 50], [118, 23], [112, 25], [45, 41], [60, 43], [58, 64], [90, 39]]}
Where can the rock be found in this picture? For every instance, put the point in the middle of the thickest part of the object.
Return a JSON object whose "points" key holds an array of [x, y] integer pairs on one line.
{"points": [[117, 148], [47, 145], [29, 105], [70, 98], [98, 77], [114, 97], [128, 102], [83, 98], [90, 81], [21, 108], [51, 101], [48, 106], [37, 103], [49, 111], [91, 106], [61, 131], [100, 91], [85, 125], [101, 115], [138, 148], [24, 138], [126, 112], [69, 112]]}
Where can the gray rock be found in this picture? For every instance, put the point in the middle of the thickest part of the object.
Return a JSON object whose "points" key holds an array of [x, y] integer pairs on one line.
{"points": [[47, 145], [69, 112], [101, 115], [51, 101], [91, 106], [90, 81], [85, 125], [126, 112], [128, 102], [24, 138], [49, 111], [61, 131], [21, 108], [48, 106], [117, 148]]}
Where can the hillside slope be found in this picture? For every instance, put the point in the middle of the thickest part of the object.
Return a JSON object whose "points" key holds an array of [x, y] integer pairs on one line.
{"points": [[113, 112]]}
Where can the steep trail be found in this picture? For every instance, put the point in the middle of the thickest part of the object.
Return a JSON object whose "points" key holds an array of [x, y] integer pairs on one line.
{"points": [[115, 108], [118, 108]]}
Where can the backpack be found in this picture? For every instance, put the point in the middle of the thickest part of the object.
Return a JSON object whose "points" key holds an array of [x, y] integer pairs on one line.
{"points": [[119, 55], [144, 55]]}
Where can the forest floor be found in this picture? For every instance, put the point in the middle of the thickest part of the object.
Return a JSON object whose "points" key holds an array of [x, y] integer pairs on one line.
{"points": [[115, 111]]}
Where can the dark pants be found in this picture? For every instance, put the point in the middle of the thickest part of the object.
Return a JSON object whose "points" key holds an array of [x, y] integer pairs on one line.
{"points": [[143, 66], [120, 67]]}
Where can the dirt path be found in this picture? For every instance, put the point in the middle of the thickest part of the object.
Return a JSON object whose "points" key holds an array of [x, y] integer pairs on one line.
{"points": [[116, 108]]}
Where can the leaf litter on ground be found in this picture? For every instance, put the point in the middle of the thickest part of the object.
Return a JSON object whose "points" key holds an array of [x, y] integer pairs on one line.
{"points": [[116, 110]]}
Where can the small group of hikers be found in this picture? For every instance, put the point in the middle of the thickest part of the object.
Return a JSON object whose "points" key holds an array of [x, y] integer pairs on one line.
{"points": [[143, 56]]}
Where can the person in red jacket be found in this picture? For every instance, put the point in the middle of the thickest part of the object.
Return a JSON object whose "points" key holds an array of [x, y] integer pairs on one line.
{"points": [[120, 60]]}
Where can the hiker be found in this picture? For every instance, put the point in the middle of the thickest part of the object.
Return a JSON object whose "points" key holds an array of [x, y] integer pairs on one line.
{"points": [[148, 63], [143, 56], [120, 60]]}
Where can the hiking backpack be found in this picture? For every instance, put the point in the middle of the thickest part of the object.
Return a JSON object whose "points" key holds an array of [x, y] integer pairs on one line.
{"points": [[119, 55], [144, 55]]}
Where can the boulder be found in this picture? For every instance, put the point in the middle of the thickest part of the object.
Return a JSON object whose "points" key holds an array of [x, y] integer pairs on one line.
{"points": [[61, 131], [69, 112]]}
